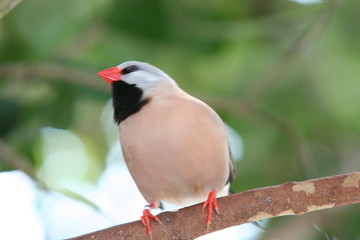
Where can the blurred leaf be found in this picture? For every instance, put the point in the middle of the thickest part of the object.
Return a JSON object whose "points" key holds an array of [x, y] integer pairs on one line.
{"points": [[146, 19], [14, 45], [10, 112]]}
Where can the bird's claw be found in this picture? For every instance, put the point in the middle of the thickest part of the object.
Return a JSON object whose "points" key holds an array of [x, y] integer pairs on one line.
{"points": [[211, 203], [145, 219]]}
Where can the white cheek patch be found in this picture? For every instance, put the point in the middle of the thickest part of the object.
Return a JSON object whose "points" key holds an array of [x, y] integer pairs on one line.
{"points": [[147, 82]]}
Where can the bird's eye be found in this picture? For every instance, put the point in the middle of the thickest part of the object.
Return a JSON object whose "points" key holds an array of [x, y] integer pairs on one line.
{"points": [[129, 69]]}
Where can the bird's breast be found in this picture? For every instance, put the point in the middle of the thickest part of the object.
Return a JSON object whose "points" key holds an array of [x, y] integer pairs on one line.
{"points": [[176, 149]]}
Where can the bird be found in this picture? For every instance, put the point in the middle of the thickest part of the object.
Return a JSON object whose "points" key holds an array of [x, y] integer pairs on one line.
{"points": [[175, 146]]}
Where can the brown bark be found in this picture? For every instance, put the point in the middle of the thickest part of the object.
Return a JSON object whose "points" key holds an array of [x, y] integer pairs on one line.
{"points": [[292, 198]]}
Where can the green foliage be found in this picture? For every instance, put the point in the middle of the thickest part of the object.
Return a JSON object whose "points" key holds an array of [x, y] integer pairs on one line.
{"points": [[304, 124]]}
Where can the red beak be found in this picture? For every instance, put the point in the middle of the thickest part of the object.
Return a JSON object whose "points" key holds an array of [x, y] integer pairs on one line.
{"points": [[111, 74]]}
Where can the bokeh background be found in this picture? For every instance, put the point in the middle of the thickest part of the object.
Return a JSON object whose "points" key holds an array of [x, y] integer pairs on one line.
{"points": [[284, 75]]}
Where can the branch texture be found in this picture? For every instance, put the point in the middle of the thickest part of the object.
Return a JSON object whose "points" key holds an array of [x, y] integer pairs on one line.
{"points": [[292, 198]]}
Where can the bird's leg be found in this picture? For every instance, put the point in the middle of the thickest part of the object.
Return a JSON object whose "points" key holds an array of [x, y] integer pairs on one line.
{"points": [[211, 203], [147, 215]]}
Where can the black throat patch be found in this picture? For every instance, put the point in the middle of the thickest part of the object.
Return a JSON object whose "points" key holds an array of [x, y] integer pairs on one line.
{"points": [[126, 100]]}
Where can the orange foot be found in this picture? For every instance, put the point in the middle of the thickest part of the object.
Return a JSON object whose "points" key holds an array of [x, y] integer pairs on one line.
{"points": [[146, 219], [211, 203]]}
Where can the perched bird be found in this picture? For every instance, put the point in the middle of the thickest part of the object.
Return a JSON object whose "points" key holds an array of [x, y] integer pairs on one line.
{"points": [[174, 145]]}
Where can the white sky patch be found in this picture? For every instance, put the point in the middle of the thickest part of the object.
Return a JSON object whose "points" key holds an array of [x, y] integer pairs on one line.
{"points": [[236, 143], [308, 2], [18, 216], [65, 217]]}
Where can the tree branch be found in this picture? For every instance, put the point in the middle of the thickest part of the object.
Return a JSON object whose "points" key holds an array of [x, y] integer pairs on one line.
{"points": [[11, 158], [34, 71], [292, 198], [7, 5]]}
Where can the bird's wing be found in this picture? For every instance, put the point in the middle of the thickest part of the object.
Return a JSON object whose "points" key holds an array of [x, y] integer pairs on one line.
{"points": [[232, 168]]}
